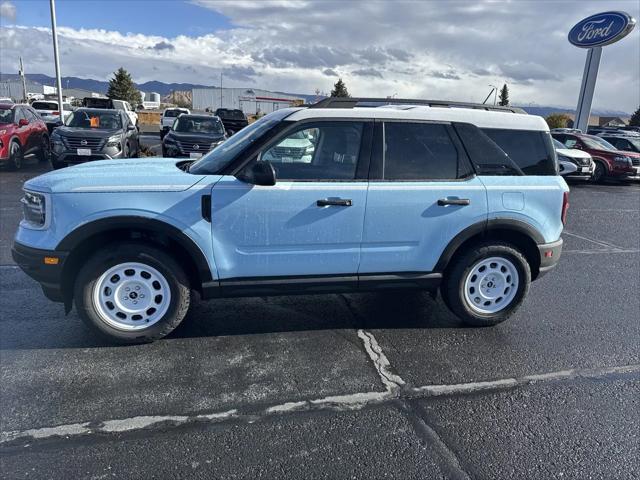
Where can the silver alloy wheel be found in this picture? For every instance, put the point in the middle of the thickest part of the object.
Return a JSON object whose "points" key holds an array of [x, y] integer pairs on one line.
{"points": [[131, 296], [491, 285]]}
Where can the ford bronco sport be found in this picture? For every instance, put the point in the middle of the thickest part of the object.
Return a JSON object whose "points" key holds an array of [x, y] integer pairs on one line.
{"points": [[394, 194]]}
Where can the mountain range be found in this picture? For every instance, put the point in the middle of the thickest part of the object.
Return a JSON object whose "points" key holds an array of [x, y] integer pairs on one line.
{"points": [[165, 89]]}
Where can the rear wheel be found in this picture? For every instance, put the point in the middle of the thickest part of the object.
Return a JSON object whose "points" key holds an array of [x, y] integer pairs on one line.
{"points": [[45, 149], [15, 156], [132, 293], [486, 285]]}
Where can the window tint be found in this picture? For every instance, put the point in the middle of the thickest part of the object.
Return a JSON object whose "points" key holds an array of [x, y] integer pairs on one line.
{"points": [[31, 115], [531, 150], [45, 105], [487, 157], [318, 151], [418, 151], [19, 115]]}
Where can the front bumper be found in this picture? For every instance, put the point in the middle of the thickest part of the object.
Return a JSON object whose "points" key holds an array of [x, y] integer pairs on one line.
{"points": [[549, 256], [71, 157], [48, 275]]}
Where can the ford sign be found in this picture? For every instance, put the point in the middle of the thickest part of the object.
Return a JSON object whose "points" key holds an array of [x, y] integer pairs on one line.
{"points": [[601, 29]]}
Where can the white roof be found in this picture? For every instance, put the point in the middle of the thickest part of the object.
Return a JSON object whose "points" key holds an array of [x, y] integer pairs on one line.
{"points": [[480, 118]]}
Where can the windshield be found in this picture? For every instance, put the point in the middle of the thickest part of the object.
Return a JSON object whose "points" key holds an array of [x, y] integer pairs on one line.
{"points": [[174, 113], [6, 115], [598, 143], [223, 154], [189, 124], [634, 141], [230, 114], [45, 105], [557, 144], [104, 120]]}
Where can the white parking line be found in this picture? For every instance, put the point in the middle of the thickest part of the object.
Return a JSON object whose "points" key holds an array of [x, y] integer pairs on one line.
{"points": [[602, 243], [353, 401]]}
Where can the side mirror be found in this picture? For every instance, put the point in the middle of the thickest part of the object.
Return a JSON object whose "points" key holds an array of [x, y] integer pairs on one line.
{"points": [[259, 173], [23, 122], [131, 127]]}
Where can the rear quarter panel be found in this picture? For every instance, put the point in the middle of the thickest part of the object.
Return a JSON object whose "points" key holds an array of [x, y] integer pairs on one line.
{"points": [[535, 200]]}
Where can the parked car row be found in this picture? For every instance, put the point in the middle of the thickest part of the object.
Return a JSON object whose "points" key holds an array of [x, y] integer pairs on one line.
{"points": [[609, 161]]}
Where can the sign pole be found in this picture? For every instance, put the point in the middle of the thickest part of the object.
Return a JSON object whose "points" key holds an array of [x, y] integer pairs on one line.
{"points": [[589, 77], [56, 58]]}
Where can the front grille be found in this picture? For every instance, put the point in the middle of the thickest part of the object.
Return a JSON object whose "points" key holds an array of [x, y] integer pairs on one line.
{"points": [[190, 147], [77, 142], [584, 162], [288, 152]]}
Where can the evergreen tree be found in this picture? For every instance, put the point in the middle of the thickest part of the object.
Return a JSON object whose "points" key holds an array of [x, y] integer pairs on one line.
{"points": [[504, 96], [339, 89], [635, 118], [121, 87]]}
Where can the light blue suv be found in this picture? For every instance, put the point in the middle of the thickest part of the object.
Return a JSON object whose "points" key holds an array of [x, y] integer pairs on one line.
{"points": [[410, 195]]}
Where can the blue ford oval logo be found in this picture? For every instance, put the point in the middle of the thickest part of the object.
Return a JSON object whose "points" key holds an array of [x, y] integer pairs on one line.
{"points": [[601, 29]]}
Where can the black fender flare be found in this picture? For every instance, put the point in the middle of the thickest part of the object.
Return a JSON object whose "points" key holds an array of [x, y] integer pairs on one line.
{"points": [[75, 237], [483, 228]]}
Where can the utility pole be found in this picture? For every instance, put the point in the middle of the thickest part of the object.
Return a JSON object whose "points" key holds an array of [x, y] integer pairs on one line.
{"points": [[221, 89], [24, 82], [56, 58]]}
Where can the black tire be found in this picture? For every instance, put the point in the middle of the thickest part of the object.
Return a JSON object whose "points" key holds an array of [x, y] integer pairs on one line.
{"points": [[45, 149], [148, 255], [127, 150], [15, 156], [453, 287], [599, 173]]}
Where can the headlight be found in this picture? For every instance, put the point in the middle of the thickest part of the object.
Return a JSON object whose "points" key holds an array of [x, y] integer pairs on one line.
{"points": [[622, 160], [309, 150], [2, 132], [113, 141], [34, 208], [168, 139], [215, 144]]}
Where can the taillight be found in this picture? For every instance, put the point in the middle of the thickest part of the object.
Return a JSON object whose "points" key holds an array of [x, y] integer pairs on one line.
{"points": [[565, 207], [55, 113]]}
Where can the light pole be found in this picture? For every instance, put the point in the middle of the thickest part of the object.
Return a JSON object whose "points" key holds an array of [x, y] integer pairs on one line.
{"points": [[56, 58], [495, 94]]}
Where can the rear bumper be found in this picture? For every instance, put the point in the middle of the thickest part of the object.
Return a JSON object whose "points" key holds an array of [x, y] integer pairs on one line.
{"points": [[549, 256], [49, 276]]}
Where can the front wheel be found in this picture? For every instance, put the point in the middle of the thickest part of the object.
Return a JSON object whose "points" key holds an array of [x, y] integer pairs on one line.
{"points": [[45, 150], [599, 173], [486, 285], [15, 156], [132, 293]]}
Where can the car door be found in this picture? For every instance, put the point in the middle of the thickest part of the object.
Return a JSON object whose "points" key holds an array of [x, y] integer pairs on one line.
{"points": [[422, 193], [308, 226], [24, 131]]}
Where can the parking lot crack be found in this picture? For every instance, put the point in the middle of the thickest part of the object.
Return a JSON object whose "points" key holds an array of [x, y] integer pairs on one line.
{"points": [[392, 381], [448, 460]]}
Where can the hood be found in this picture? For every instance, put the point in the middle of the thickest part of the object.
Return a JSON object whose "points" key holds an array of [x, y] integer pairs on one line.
{"points": [[128, 175], [203, 138], [572, 153], [65, 131]]}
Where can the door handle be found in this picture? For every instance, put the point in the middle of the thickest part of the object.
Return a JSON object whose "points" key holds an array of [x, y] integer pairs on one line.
{"points": [[454, 201], [338, 202]]}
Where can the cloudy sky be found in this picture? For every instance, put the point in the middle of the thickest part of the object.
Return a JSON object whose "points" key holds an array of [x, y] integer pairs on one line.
{"points": [[418, 49]]}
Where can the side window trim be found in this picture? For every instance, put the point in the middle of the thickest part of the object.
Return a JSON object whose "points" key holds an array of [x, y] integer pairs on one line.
{"points": [[364, 156], [376, 170]]}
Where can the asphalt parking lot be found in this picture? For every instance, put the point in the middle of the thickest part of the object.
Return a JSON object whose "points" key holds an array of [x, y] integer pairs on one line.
{"points": [[339, 386]]}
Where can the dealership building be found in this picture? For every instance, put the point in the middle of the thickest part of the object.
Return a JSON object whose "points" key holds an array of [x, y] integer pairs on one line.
{"points": [[250, 100]]}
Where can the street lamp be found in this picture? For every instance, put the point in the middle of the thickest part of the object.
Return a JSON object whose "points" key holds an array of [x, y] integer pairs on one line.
{"points": [[495, 94]]}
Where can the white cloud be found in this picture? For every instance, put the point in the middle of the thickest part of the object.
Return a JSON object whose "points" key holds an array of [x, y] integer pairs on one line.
{"points": [[449, 50], [8, 11]]}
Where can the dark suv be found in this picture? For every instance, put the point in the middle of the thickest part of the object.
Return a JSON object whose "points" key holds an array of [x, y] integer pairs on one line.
{"points": [[232, 119], [610, 162], [192, 136], [94, 134]]}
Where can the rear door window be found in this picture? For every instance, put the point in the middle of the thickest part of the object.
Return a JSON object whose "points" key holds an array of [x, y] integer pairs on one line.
{"points": [[531, 150], [419, 151]]}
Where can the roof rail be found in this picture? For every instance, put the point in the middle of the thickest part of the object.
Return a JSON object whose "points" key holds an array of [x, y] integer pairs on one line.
{"points": [[350, 102]]}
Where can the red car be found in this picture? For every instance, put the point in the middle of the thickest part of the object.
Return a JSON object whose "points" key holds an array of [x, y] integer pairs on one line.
{"points": [[22, 133], [610, 162]]}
